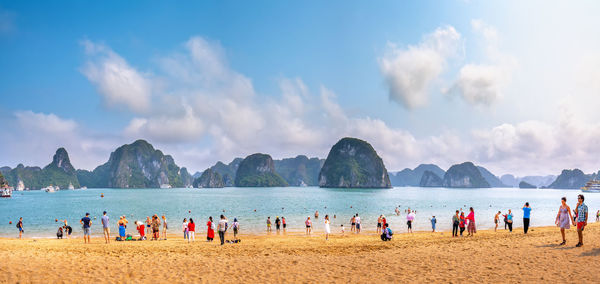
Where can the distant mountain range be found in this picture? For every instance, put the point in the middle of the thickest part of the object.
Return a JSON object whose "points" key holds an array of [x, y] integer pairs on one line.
{"points": [[140, 165]]}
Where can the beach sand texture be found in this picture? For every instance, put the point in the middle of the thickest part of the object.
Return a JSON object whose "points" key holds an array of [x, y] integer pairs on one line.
{"points": [[497, 257]]}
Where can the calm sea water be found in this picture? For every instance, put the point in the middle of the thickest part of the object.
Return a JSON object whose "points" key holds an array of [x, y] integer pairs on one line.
{"points": [[40, 209]]}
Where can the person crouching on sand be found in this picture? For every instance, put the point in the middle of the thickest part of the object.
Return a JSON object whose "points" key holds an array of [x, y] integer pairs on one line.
{"points": [[141, 228], [386, 235], [564, 219]]}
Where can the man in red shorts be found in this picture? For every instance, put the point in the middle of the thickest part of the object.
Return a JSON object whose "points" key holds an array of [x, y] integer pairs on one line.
{"points": [[582, 217]]}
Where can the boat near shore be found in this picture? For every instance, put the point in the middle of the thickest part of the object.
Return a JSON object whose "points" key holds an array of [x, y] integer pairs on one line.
{"points": [[6, 192], [591, 186], [50, 189]]}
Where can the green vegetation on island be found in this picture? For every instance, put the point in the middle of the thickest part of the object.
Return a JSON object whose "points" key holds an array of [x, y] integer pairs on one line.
{"points": [[465, 175], [353, 163], [258, 170]]}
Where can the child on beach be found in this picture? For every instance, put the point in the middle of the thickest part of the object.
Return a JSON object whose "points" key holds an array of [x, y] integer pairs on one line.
{"points": [[184, 227], [20, 227], [165, 227], [461, 224], [236, 227], [343, 230], [308, 224]]}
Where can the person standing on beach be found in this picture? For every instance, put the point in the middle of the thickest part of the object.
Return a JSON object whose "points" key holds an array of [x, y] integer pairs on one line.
{"points": [[327, 227], [277, 223], [148, 226], [184, 227], [379, 225], [86, 223], [156, 227], [471, 226], [461, 224], [564, 219], [236, 227], [598, 216], [317, 214], [582, 217], [121, 224], [383, 220], [269, 224], [191, 231], [283, 223], [505, 220], [509, 220], [353, 223], [410, 217], [526, 217], [165, 227], [496, 219], [308, 224], [455, 223], [105, 227], [210, 233], [222, 227], [433, 222], [357, 220], [20, 227]]}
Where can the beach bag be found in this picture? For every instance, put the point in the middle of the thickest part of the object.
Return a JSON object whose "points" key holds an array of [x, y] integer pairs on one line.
{"points": [[390, 232]]}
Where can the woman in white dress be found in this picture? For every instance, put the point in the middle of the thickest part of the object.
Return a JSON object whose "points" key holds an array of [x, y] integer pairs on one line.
{"points": [[327, 228]]}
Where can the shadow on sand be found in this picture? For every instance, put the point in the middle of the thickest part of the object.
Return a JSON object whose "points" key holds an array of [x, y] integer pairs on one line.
{"points": [[594, 252]]}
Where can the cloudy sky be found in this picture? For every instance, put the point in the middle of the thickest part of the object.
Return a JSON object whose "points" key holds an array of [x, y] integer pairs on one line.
{"points": [[510, 85]]}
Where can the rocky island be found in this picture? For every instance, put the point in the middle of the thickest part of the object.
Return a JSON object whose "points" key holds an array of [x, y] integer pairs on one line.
{"points": [[465, 175], [353, 163], [258, 170]]}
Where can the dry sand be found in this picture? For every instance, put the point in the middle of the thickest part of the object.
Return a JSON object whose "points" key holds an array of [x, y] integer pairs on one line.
{"points": [[421, 257]]}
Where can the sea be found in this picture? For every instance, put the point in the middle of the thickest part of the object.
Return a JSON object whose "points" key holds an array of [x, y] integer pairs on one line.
{"points": [[43, 212]]}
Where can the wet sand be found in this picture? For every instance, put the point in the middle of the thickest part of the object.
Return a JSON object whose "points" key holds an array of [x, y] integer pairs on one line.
{"points": [[420, 257]]}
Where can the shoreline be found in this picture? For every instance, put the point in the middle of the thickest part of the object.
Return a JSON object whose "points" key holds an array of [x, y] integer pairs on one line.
{"points": [[422, 257]]}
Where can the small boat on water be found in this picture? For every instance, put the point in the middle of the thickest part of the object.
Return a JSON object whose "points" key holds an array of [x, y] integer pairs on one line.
{"points": [[71, 187], [50, 189], [6, 192], [591, 186], [165, 186]]}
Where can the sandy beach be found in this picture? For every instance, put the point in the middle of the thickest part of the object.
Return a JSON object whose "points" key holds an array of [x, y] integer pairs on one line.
{"points": [[420, 257]]}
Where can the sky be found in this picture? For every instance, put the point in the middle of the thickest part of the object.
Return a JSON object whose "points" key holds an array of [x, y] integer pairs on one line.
{"points": [[510, 85]]}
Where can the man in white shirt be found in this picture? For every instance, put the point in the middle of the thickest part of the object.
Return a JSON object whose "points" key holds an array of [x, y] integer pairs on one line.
{"points": [[357, 220], [222, 227]]}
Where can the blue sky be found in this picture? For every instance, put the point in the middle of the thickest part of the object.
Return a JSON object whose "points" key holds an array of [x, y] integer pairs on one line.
{"points": [[498, 83]]}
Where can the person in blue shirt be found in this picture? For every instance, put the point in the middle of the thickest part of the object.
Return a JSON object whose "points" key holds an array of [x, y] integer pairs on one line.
{"points": [[87, 223], [509, 220], [433, 222], [526, 216]]}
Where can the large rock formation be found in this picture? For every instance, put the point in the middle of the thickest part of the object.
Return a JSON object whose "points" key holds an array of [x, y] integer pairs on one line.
{"points": [[300, 171], [59, 172], [353, 163], [493, 180], [228, 171], [430, 179], [408, 177], [258, 170], [3, 182], [136, 165], [524, 184], [464, 175], [209, 179], [538, 181], [571, 179]]}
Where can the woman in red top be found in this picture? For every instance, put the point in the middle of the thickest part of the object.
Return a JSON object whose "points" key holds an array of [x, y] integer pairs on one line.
{"points": [[192, 230], [210, 235], [471, 226]]}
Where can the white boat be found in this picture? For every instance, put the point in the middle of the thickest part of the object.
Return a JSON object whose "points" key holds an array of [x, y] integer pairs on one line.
{"points": [[165, 186], [49, 189], [591, 186], [71, 187], [6, 192], [20, 186], [83, 188]]}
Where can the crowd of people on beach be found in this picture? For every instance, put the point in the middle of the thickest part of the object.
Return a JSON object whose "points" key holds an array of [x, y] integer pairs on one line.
{"points": [[155, 225]]}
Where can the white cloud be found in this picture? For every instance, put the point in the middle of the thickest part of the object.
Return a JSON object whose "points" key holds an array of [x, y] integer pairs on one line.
{"points": [[38, 135], [483, 83], [116, 80], [409, 72]]}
